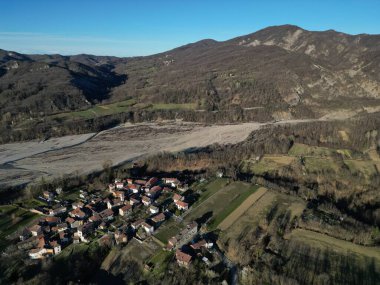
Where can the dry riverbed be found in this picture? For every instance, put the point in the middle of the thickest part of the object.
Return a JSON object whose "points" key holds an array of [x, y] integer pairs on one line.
{"points": [[24, 162]]}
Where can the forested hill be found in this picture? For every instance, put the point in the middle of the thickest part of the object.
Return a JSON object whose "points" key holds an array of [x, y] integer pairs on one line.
{"points": [[277, 72]]}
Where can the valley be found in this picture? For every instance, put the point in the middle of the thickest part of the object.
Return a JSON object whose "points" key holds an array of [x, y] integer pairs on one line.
{"points": [[251, 160]]}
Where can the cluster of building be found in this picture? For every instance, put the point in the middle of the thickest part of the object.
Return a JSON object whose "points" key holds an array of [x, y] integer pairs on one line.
{"points": [[129, 208], [189, 245]]}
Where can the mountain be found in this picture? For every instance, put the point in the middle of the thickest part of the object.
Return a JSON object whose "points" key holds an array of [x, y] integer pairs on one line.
{"points": [[278, 72], [285, 65]]}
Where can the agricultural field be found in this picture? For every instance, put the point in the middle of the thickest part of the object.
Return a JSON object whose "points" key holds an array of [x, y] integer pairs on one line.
{"points": [[33, 203], [341, 246], [98, 110], [160, 261], [71, 195], [316, 151], [366, 167], [139, 252], [316, 160], [267, 164], [172, 106], [254, 198], [168, 230], [120, 107], [12, 219], [221, 203], [209, 189]]}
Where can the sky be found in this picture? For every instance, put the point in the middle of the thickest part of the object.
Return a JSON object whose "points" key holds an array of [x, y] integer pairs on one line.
{"points": [[143, 27]]}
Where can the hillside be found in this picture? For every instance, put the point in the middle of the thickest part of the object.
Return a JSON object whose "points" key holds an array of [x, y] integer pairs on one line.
{"points": [[280, 72]]}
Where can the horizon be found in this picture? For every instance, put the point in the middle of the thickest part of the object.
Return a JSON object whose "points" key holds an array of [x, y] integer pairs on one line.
{"points": [[93, 27]]}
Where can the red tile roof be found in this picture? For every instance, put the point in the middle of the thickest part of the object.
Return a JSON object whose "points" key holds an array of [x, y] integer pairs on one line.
{"points": [[182, 257]]}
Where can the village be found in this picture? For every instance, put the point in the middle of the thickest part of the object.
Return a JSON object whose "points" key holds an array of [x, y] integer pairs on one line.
{"points": [[129, 209]]}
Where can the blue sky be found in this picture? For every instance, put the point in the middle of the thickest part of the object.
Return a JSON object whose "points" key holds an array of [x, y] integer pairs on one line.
{"points": [[142, 27]]}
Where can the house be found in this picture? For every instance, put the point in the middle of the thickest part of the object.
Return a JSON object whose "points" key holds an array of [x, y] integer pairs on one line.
{"points": [[52, 220], [125, 210], [57, 211], [24, 235], [158, 219], [184, 236], [119, 185], [103, 225], [120, 237], [219, 174], [35, 230], [167, 190], [153, 209], [56, 247], [70, 221], [182, 205], [48, 195], [84, 195], [120, 195], [77, 213], [129, 181], [134, 201], [140, 182], [63, 237], [77, 205], [76, 224], [111, 187], [135, 188], [37, 253], [151, 182], [183, 259], [148, 228], [154, 192], [177, 197], [106, 215], [202, 243], [85, 231], [41, 242], [135, 225], [173, 182], [62, 227], [114, 203], [95, 218], [146, 201], [117, 202], [182, 187]]}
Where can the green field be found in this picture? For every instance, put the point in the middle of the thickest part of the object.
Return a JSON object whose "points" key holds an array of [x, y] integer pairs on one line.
{"points": [[32, 203], [120, 107], [72, 195], [232, 206], [172, 106], [12, 219], [366, 167], [342, 246], [209, 189], [220, 201], [168, 230], [98, 110], [316, 165], [315, 160], [160, 261], [267, 164]]}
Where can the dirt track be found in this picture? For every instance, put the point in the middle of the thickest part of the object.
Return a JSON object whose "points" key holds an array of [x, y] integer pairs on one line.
{"points": [[227, 222]]}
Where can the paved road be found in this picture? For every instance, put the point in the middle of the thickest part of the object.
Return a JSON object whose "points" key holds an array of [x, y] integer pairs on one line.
{"points": [[234, 272]]}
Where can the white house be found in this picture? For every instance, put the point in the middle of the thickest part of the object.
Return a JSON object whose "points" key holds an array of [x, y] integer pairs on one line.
{"points": [[154, 209]]}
